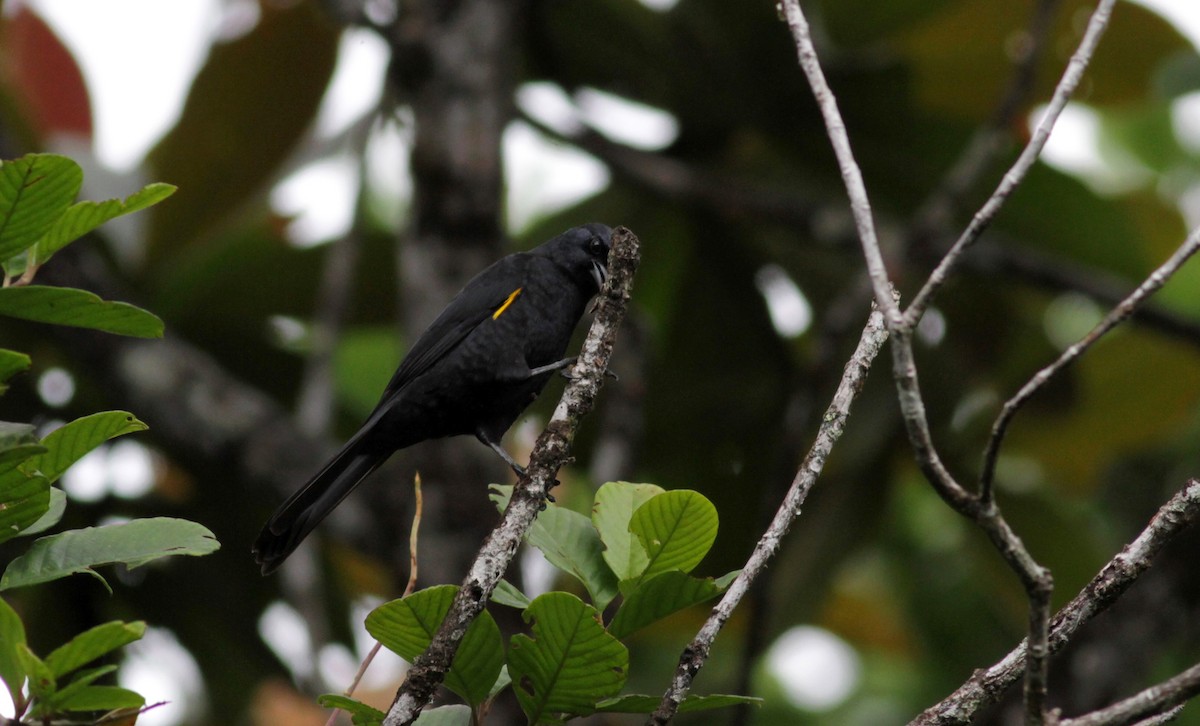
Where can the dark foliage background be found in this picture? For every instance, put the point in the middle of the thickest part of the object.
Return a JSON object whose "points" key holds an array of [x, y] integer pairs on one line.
{"points": [[712, 396]]}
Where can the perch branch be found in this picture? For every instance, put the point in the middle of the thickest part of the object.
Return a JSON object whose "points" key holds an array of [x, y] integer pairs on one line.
{"points": [[550, 453]]}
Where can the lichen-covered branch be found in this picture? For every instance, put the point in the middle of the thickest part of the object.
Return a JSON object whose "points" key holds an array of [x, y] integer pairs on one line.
{"points": [[986, 686], [832, 424]]}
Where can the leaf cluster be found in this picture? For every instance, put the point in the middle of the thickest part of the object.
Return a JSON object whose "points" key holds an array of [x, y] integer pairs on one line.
{"points": [[640, 545], [38, 217]]}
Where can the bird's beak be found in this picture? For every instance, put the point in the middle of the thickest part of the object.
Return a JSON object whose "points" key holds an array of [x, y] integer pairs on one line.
{"points": [[599, 274]]}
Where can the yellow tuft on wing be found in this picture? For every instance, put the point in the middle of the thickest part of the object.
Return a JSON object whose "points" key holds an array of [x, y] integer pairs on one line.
{"points": [[506, 303]]}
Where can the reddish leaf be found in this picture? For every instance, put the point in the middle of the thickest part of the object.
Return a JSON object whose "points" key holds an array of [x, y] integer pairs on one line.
{"points": [[44, 74], [246, 110]]}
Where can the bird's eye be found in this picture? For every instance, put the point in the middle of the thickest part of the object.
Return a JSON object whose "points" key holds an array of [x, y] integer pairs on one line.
{"points": [[595, 247]]}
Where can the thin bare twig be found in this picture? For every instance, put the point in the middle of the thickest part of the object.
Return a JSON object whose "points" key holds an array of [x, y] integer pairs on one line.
{"points": [[986, 686], [1016, 174], [832, 425], [860, 204], [987, 141], [1114, 318], [550, 453], [1035, 579], [408, 590], [1151, 702]]}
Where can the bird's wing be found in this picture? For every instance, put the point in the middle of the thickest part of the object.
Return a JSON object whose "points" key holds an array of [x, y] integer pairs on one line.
{"points": [[487, 294]]}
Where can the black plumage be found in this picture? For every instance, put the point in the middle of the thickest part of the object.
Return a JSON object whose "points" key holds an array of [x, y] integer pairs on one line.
{"points": [[476, 368]]}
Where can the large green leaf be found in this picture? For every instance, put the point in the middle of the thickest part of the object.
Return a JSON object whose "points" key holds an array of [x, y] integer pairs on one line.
{"points": [[363, 715], [452, 715], [360, 713], [569, 664], [92, 644], [34, 191], [133, 544], [12, 636], [636, 703], [41, 680], [570, 543], [406, 627], [615, 504], [11, 363], [78, 308], [67, 444], [18, 442], [24, 499], [83, 217], [82, 680], [508, 594], [99, 698], [661, 595], [52, 516], [677, 528]]}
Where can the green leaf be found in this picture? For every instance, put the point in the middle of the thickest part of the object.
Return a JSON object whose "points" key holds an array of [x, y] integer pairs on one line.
{"points": [[77, 308], [41, 680], [18, 442], [569, 664], [507, 593], [67, 444], [53, 515], [24, 500], [81, 681], [360, 713], [131, 543], [101, 698], [570, 543], [11, 363], [636, 703], [677, 528], [83, 217], [12, 636], [406, 627], [92, 644], [661, 595], [504, 681], [452, 715], [34, 191], [615, 504]]}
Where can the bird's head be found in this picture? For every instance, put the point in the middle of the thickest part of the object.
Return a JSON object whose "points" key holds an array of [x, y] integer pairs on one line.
{"points": [[582, 251]]}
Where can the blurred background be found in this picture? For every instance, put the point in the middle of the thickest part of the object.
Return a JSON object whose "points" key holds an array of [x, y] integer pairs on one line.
{"points": [[346, 165]]}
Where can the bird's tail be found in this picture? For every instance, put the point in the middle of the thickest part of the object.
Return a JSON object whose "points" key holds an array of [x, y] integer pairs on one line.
{"points": [[305, 509]]}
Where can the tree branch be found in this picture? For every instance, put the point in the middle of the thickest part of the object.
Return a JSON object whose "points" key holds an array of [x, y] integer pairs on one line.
{"points": [[986, 686], [550, 453], [832, 425], [1035, 579], [987, 141], [1115, 317], [1149, 703], [1016, 174], [860, 204]]}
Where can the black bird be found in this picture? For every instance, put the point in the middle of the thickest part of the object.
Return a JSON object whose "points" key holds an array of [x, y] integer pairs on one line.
{"points": [[484, 359]]}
